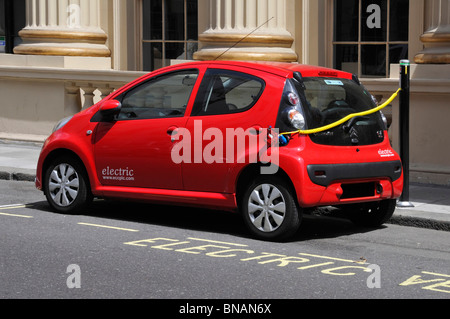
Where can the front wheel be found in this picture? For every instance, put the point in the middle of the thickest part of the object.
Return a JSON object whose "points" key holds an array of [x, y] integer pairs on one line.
{"points": [[269, 209], [66, 186], [372, 214]]}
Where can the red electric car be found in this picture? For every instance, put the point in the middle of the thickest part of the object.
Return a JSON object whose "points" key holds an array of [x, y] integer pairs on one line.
{"points": [[225, 135]]}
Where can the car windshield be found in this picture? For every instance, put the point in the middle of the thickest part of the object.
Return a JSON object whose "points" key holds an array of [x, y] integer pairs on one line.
{"points": [[329, 100]]}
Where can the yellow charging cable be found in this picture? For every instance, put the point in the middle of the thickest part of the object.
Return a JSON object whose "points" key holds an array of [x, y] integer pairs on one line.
{"points": [[346, 119]]}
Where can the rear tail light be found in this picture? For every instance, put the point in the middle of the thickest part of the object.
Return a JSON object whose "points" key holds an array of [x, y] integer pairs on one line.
{"points": [[294, 115], [296, 119], [291, 116], [293, 99]]}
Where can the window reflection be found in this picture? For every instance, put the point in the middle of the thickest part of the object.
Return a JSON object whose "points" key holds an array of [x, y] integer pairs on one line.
{"points": [[346, 17], [369, 35], [374, 20], [12, 20], [373, 60], [170, 31]]}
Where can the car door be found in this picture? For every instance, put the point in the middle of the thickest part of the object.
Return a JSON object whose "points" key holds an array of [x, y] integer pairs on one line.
{"points": [[223, 114], [134, 150]]}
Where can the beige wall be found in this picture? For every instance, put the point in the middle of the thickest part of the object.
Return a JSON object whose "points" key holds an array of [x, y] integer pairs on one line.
{"points": [[30, 113], [38, 91]]}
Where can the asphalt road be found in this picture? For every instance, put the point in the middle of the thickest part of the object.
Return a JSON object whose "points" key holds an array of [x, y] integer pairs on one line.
{"points": [[141, 251]]}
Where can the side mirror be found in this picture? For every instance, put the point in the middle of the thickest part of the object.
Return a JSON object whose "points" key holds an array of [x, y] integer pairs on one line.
{"points": [[109, 109]]}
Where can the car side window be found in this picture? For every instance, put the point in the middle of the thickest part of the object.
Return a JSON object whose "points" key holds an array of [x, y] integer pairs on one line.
{"points": [[227, 92], [161, 97]]}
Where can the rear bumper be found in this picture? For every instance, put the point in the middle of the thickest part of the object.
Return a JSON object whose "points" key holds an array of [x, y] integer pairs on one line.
{"points": [[325, 175], [338, 184], [348, 192]]}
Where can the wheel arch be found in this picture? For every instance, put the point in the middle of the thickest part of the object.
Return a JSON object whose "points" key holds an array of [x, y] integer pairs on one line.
{"points": [[61, 152], [252, 171]]}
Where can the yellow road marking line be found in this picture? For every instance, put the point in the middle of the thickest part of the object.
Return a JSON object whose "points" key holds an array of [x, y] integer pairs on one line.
{"points": [[217, 242], [16, 206], [109, 227], [331, 258], [15, 215], [434, 274]]}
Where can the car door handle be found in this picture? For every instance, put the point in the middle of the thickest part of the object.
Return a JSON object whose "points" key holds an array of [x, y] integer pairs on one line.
{"points": [[171, 131]]}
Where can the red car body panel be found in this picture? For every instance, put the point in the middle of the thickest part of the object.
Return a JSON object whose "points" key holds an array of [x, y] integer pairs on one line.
{"points": [[118, 149]]}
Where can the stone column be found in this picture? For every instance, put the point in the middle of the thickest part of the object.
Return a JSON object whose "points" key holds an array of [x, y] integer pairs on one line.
{"points": [[437, 37], [247, 30], [63, 28]]}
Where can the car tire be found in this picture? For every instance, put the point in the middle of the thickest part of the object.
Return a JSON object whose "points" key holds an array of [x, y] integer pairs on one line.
{"points": [[66, 186], [269, 209], [372, 214]]}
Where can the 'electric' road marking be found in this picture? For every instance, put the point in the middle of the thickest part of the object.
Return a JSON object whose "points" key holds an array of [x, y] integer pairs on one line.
{"points": [[332, 258], [217, 242], [434, 274], [109, 227]]}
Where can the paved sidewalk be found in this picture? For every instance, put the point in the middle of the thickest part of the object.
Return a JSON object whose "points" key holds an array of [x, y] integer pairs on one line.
{"points": [[431, 208], [431, 203], [18, 160]]}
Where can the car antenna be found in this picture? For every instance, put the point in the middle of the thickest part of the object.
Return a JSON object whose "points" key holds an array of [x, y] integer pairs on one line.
{"points": [[256, 29]]}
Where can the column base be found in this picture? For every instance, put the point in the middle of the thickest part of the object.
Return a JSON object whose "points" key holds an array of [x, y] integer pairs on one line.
{"points": [[282, 40], [247, 54], [63, 43], [245, 47], [437, 49], [433, 57], [59, 49]]}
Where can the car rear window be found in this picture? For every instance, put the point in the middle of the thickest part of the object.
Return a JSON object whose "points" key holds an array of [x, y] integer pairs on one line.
{"points": [[329, 100]]}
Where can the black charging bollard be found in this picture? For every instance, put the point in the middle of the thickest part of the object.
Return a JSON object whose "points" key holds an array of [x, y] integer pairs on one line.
{"points": [[405, 81]]}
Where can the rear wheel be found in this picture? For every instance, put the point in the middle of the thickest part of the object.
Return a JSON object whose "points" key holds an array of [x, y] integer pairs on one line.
{"points": [[371, 214], [66, 186], [269, 209]]}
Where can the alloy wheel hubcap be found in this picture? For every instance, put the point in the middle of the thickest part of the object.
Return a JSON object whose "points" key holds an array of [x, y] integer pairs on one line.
{"points": [[64, 185], [266, 208]]}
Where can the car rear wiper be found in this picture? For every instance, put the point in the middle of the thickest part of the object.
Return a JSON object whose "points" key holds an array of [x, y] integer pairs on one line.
{"points": [[347, 127]]}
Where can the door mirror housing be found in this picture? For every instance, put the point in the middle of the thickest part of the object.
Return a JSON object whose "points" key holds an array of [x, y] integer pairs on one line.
{"points": [[109, 109]]}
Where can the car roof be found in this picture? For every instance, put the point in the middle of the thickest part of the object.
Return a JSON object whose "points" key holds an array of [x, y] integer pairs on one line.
{"points": [[283, 69]]}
